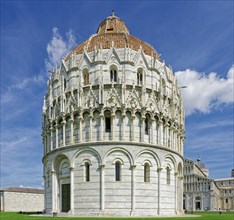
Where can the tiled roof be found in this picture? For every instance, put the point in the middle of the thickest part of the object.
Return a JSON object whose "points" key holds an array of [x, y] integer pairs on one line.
{"points": [[113, 32], [23, 190]]}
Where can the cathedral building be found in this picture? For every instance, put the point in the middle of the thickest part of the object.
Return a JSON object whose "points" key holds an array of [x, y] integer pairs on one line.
{"points": [[113, 129], [202, 193]]}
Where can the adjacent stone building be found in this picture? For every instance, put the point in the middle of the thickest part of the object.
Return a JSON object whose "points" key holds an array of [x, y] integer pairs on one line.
{"points": [[204, 193], [16, 199], [226, 187], [113, 129]]}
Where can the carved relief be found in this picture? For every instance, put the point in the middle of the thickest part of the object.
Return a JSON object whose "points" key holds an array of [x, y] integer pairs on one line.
{"points": [[112, 99], [133, 100]]}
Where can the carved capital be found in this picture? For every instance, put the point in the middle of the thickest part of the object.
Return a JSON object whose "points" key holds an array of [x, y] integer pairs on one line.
{"points": [[159, 169], [102, 166]]}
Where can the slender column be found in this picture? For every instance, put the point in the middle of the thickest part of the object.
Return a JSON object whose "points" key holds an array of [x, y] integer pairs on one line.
{"points": [[133, 128], [54, 192], [45, 194], [123, 127], [176, 190], [72, 129], [159, 189], [44, 140], [143, 129], [71, 190], [166, 135], [90, 127], [171, 136], [160, 132], [176, 138], [152, 133], [101, 126], [102, 187], [112, 126], [51, 137], [80, 128], [56, 134], [173, 139], [64, 132], [133, 168], [157, 133]]}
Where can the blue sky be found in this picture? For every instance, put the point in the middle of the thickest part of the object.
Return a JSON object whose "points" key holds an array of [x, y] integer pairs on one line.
{"points": [[194, 37]]}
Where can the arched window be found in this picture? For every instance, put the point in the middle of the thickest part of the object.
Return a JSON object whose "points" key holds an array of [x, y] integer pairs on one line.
{"points": [[146, 172], [113, 74], [65, 84], [163, 87], [168, 175], [87, 172], [107, 121], [139, 76], [147, 125], [86, 77], [64, 170], [117, 171]]}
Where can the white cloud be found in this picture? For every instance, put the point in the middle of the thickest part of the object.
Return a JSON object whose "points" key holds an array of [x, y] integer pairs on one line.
{"points": [[205, 92], [58, 47], [21, 156], [10, 93]]}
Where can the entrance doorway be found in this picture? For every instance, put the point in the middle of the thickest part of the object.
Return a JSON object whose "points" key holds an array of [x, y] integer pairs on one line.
{"points": [[198, 203], [65, 197]]}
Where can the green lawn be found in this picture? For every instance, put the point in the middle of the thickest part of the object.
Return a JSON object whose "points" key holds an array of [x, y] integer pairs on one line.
{"points": [[203, 216]]}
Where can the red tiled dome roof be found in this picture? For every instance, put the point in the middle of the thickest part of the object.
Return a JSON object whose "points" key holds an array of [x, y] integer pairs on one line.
{"points": [[113, 32]]}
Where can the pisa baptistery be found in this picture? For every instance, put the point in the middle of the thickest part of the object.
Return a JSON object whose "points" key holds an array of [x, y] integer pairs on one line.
{"points": [[113, 129]]}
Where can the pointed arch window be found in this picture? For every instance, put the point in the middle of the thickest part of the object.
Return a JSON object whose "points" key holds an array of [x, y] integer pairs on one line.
{"points": [[65, 83], [147, 125], [168, 176], [86, 77], [146, 172], [163, 87], [117, 171], [113, 74], [139, 76], [87, 172], [107, 121]]}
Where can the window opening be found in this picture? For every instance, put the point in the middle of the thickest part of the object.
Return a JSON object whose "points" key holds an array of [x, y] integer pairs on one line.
{"points": [[146, 126], [87, 172], [86, 77], [139, 77], [113, 75], [146, 172], [117, 171], [108, 124], [65, 84], [168, 176]]}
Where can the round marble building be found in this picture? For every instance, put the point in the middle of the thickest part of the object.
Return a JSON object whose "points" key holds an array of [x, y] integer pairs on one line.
{"points": [[113, 129]]}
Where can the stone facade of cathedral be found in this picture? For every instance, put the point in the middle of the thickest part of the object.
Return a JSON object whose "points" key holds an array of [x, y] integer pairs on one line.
{"points": [[113, 130], [202, 193]]}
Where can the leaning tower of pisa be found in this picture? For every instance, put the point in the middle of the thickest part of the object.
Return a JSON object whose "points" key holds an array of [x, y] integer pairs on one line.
{"points": [[113, 129]]}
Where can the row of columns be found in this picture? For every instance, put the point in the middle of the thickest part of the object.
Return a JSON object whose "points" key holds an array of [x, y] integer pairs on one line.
{"points": [[159, 133], [178, 195], [197, 186]]}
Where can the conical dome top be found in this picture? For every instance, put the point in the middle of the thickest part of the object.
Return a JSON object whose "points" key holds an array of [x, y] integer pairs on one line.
{"points": [[112, 24], [113, 32]]}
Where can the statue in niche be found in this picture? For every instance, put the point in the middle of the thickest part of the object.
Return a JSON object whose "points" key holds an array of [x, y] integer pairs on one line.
{"points": [[89, 101], [112, 101], [57, 107], [133, 103]]}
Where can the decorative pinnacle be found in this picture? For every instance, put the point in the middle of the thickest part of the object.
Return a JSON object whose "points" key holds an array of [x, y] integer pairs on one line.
{"points": [[113, 13]]}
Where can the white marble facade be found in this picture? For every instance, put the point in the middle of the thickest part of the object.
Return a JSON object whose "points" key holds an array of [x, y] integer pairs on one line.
{"points": [[113, 133]]}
